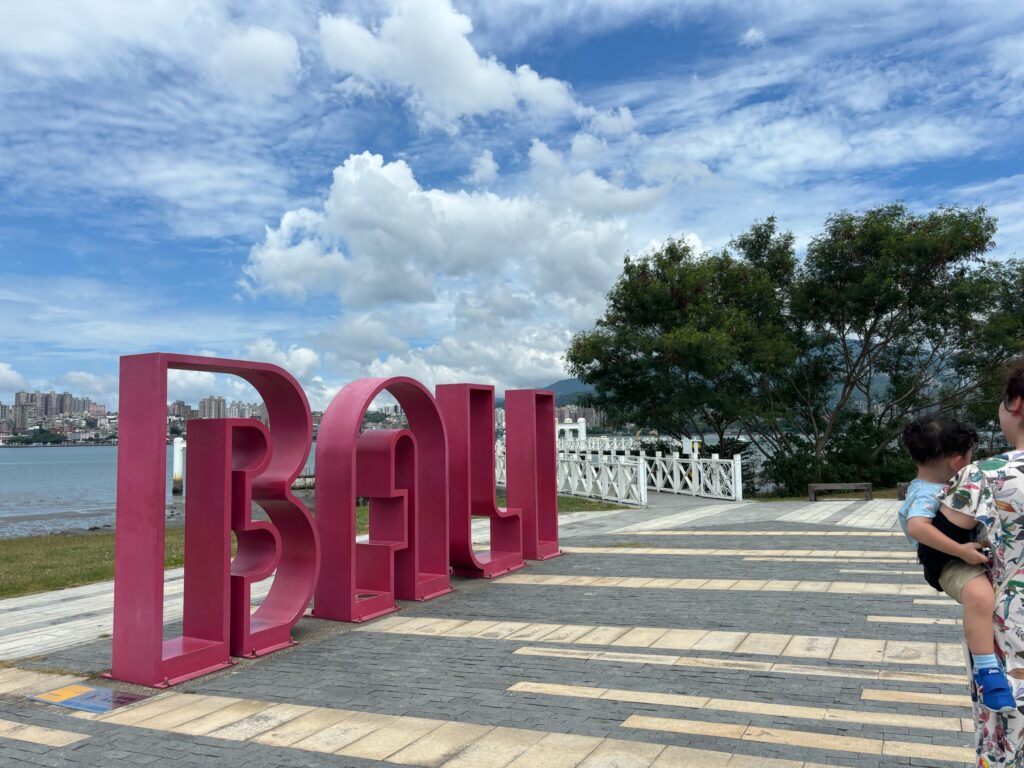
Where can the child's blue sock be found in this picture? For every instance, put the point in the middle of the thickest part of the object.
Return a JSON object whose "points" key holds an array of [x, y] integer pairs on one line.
{"points": [[986, 661]]}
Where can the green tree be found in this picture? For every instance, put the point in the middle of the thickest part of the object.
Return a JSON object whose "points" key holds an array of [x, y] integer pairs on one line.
{"points": [[821, 361]]}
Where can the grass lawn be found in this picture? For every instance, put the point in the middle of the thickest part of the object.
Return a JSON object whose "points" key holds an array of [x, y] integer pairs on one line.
{"points": [[43, 563], [879, 493]]}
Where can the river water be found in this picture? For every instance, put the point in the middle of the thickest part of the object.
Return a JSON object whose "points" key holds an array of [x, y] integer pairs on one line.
{"points": [[50, 489]]}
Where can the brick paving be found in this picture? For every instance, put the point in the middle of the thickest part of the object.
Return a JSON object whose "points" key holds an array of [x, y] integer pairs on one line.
{"points": [[447, 677]]}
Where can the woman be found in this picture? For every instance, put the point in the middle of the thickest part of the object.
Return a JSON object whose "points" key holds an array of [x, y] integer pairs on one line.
{"points": [[993, 492]]}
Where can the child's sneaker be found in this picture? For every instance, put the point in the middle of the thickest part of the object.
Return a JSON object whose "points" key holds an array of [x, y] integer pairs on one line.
{"points": [[994, 689]]}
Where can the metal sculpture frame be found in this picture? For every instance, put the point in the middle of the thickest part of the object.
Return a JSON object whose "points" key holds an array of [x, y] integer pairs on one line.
{"points": [[530, 470], [469, 417], [421, 568], [235, 467]]}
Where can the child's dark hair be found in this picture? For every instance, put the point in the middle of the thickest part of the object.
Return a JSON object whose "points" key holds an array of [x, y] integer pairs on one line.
{"points": [[934, 436], [1014, 386]]}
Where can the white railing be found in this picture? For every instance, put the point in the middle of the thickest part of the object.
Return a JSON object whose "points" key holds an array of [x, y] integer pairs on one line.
{"points": [[713, 478], [606, 443], [621, 479], [615, 478]]}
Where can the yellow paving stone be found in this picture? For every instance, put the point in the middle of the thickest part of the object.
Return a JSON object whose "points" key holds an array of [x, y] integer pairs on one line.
{"points": [[470, 628], [415, 625], [922, 677], [719, 641], [779, 586], [894, 720], [682, 757], [440, 745], [501, 630], [640, 637], [752, 585], [814, 740], [681, 639], [748, 666], [718, 583], [557, 653], [689, 583], [764, 643], [662, 584], [301, 727], [693, 727], [812, 586], [916, 697], [196, 707], [260, 722], [146, 709], [852, 649], [532, 632], [335, 738], [635, 582], [231, 713], [945, 602], [950, 655], [567, 633], [614, 753], [602, 635], [579, 581], [34, 734], [609, 581], [16, 679], [752, 761], [391, 738], [557, 689], [924, 620], [634, 658], [928, 751], [917, 590], [441, 627], [385, 624], [809, 647], [497, 749], [557, 750], [767, 708], [903, 652]]}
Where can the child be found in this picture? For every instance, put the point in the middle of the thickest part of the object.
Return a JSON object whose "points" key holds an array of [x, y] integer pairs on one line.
{"points": [[953, 562]]}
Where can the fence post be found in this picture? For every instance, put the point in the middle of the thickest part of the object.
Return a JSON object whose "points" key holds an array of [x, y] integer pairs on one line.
{"points": [[737, 477], [641, 481]]}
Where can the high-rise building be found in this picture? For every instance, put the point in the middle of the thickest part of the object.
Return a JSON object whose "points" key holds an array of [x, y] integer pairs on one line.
{"points": [[25, 416], [213, 407], [23, 398]]}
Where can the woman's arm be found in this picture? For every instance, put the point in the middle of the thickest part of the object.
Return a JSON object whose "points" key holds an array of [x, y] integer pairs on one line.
{"points": [[922, 531]]}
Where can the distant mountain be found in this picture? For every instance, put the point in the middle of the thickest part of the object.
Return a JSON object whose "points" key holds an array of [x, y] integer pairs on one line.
{"points": [[567, 392]]}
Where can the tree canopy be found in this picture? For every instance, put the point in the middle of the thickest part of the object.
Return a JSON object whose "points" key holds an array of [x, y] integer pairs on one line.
{"points": [[821, 360]]}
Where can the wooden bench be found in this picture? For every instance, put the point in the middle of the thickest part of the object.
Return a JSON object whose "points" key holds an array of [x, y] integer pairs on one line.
{"points": [[814, 488]]}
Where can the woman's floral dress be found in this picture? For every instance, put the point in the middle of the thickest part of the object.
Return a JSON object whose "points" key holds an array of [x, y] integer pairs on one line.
{"points": [[993, 492]]}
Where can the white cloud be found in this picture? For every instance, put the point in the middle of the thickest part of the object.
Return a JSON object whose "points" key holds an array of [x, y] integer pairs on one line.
{"points": [[257, 61], [614, 122], [1007, 56], [300, 362], [10, 379], [753, 37], [422, 52], [484, 170]]}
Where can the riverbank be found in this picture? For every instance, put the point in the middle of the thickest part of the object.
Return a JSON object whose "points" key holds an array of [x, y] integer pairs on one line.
{"points": [[44, 563]]}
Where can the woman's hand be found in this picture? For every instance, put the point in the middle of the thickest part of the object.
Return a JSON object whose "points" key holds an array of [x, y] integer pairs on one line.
{"points": [[971, 553]]}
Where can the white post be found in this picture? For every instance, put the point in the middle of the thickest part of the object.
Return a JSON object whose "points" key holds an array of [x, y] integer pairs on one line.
{"points": [[178, 467], [737, 476]]}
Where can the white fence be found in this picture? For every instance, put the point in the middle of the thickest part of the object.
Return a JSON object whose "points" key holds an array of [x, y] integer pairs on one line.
{"points": [[713, 478]]}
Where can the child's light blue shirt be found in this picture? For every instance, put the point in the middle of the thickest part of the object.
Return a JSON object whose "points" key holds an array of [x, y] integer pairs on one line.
{"points": [[922, 501]]}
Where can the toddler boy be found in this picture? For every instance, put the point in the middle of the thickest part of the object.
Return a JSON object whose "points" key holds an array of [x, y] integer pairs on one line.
{"points": [[953, 562]]}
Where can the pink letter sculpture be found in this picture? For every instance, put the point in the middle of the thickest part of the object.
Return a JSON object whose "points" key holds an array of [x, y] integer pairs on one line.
{"points": [[351, 585], [469, 417], [530, 471], [231, 462]]}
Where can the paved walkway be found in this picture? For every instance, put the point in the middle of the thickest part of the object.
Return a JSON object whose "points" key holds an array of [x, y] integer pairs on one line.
{"points": [[688, 633]]}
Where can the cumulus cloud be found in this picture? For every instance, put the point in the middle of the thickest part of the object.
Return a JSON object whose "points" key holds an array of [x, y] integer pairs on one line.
{"points": [[301, 362], [422, 52], [753, 37], [484, 169], [256, 61], [381, 237], [10, 379]]}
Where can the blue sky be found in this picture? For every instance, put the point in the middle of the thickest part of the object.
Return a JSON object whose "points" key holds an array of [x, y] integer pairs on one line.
{"points": [[446, 190]]}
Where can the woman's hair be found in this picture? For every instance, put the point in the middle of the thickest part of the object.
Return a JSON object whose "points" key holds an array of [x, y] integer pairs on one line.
{"points": [[935, 436], [1014, 386]]}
